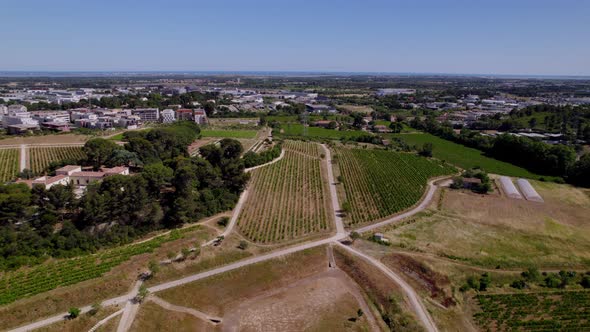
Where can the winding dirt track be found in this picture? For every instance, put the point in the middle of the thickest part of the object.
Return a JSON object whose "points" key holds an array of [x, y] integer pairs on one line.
{"points": [[414, 299]]}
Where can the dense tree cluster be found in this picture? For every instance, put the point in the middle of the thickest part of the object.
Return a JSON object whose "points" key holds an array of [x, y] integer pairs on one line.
{"points": [[171, 188]]}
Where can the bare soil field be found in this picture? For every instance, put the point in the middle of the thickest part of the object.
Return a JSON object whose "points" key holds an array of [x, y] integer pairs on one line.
{"points": [[294, 293], [196, 145], [324, 302], [152, 317], [217, 294], [45, 139]]}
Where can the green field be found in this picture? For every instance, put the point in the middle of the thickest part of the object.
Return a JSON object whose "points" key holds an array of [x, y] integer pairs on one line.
{"points": [[229, 133], [465, 157], [380, 183], [547, 311], [316, 132], [118, 137]]}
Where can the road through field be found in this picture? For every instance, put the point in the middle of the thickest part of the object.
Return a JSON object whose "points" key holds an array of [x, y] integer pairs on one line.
{"points": [[415, 301]]}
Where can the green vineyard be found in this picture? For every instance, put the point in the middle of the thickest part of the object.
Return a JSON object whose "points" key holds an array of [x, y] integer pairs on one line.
{"points": [[547, 311], [380, 183], [287, 200], [9, 162], [63, 272], [41, 157]]}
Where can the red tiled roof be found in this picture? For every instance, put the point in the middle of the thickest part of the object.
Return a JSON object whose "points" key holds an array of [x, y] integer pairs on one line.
{"points": [[89, 174]]}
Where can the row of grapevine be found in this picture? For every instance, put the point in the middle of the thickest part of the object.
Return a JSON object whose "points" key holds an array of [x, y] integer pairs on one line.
{"points": [[9, 164], [380, 183], [543, 311], [41, 157], [63, 272], [287, 200]]}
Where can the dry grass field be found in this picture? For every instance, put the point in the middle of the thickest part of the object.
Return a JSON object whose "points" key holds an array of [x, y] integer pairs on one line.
{"points": [[294, 293], [493, 230], [355, 108], [152, 317], [84, 322], [288, 200]]}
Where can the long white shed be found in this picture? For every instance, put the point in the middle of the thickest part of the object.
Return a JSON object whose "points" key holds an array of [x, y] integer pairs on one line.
{"points": [[528, 191], [509, 188]]}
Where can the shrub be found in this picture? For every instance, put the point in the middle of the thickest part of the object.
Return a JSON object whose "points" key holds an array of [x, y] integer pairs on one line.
{"points": [[73, 312], [243, 245]]}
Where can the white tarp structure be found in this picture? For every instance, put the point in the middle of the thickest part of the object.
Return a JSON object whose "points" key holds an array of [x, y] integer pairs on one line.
{"points": [[509, 188], [528, 191]]}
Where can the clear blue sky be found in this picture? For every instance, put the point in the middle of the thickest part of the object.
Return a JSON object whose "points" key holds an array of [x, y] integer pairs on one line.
{"points": [[435, 36]]}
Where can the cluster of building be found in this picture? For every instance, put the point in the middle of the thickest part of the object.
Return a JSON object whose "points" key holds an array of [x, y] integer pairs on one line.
{"points": [[78, 176], [50, 95], [16, 119]]}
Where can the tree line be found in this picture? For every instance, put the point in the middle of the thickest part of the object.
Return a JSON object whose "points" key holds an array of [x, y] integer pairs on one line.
{"points": [[556, 160]]}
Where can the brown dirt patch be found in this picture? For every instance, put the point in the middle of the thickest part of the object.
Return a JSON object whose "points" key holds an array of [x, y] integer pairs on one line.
{"points": [[152, 317], [226, 290], [319, 303]]}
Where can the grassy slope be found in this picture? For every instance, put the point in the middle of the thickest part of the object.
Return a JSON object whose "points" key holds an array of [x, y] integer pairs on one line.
{"points": [[465, 157], [505, 232]]}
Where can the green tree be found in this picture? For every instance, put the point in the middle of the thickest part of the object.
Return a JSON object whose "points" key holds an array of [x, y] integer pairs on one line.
{"points": [[396, 127], [74, 312], [426, 149], [122, 157], [98, 151], [142, 294], [157, 176]]}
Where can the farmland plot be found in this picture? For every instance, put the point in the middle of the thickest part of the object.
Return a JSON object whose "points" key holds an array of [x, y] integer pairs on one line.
{"points": [[41, 157], [9, 159], [287, 200], [545, 311], [380, 183]]}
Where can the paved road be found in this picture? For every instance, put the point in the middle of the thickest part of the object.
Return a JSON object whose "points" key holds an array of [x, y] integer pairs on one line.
{"points": [[415, 301], [340, 235]]}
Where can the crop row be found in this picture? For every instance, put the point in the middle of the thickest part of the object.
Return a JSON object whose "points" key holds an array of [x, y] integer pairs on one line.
{"points": [[9, 162], [380, 183], [41, 157], [287, 200], [546, 311], [63, 272]]}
